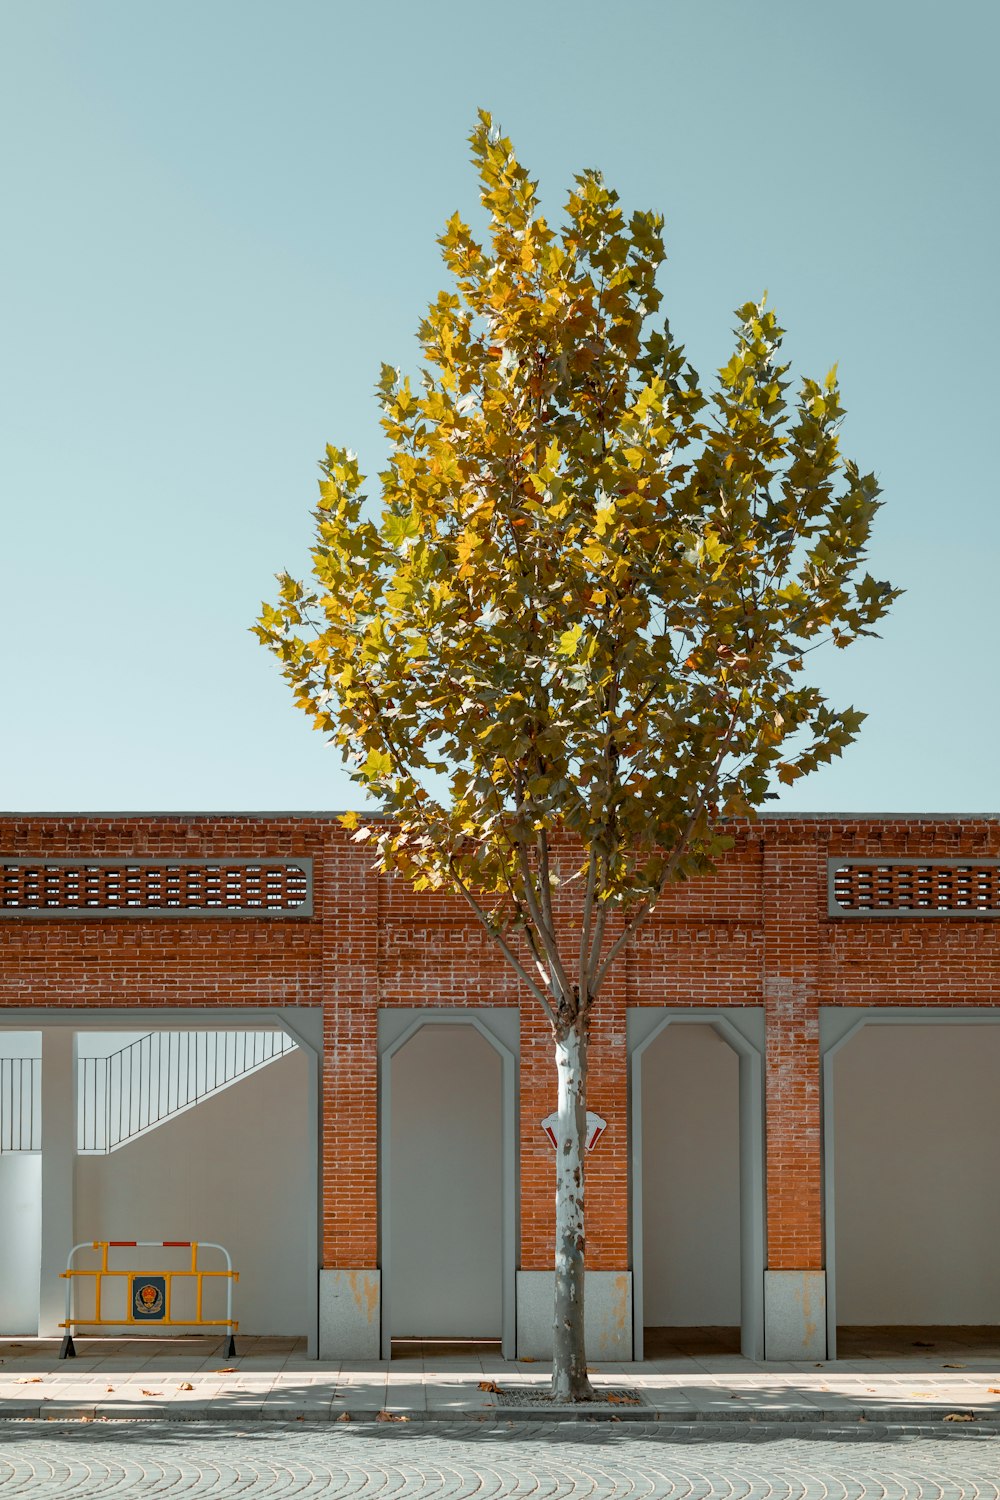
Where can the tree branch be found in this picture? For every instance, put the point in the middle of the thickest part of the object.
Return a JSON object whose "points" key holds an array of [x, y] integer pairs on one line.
{"points": [[599, 926], [588, 916], [504, 947], [559, 979], [646, 909]]}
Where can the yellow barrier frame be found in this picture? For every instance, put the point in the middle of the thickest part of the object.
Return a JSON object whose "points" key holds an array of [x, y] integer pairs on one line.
{"points": [[71, 1272]]}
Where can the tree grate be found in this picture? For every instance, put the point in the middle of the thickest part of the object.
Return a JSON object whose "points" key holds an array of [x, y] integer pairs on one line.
{"points": [[541, 1396]]}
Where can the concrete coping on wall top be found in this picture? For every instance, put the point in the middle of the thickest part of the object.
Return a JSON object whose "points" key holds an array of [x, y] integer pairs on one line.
{"points": [[375, 814]]}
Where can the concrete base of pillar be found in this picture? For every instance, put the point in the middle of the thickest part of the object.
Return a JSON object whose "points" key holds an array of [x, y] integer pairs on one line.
{"points": [[608, 1313], [350, 1314], [795, 1315]]}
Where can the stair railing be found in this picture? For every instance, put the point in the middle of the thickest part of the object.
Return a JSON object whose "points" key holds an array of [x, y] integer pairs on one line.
{"points": [[161, 1075]]}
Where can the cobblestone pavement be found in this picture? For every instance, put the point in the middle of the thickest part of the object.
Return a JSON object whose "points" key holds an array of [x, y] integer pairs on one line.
{"points": [[540, 1461]]}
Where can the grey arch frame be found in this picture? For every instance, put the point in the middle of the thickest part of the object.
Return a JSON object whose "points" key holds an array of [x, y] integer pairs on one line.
{"points": [[837, 1025], [304, 1024], [742, 1027], [501, 1029]]}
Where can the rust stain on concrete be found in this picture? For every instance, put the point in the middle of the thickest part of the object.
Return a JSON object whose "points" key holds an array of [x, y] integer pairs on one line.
{"points": [[619, 1305], [364, 1290], [808, 1318]]}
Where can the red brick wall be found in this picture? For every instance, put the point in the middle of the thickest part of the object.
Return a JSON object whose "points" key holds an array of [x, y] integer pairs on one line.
{"points": [[757, 933], [793, 880]]}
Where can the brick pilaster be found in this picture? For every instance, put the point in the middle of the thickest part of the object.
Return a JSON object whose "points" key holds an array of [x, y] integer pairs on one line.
{"points": [[606, 1198], [791, 918], [350, 905]]}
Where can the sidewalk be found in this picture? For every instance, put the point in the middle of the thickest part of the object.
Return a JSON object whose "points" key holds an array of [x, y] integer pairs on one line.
{"points": [[272, 1379]]}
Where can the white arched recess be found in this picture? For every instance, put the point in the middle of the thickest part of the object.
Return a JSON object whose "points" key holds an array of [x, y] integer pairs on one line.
{"points": [[742, 1027], [304, 1024], [837, 1025], [501, 1029]]}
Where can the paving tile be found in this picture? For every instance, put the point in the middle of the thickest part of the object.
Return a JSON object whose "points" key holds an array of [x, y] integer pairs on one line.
{"points": [[111, 1376]]}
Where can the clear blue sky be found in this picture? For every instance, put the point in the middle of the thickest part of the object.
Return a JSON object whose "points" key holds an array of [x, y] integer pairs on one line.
{"points": [[220, 216]]}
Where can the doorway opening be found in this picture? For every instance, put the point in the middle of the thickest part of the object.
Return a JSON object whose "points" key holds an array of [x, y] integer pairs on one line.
{"points": [[913, 1182], [697, 1186], [447, 1153], [155, 1136]]}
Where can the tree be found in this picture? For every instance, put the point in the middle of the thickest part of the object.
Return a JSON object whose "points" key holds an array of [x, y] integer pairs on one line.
{"points": [[570, 643]]}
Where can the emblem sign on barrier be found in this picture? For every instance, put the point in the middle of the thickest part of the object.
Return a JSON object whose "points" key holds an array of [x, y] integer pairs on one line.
{"points": [[149, 1292], [148, 1297]]}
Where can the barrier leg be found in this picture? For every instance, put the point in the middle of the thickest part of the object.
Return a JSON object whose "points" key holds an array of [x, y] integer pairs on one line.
{"points": [[68, 1350], [231, 1350]]}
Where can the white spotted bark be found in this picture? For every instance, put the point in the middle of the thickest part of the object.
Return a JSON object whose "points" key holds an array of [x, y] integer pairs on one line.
{"points": [[569, 1356]]}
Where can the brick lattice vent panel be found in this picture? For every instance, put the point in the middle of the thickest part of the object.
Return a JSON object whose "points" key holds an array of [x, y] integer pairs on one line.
{"points": [[914, 888], [189, 888]]}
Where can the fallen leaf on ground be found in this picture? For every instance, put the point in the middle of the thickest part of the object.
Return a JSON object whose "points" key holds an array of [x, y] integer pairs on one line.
{"points": [[960, 1416], [994, 1390], [616, 1400], [922, 1344], [226, 1370], [527, 1359], [109, 1389], [488, 1385], [953, 1367], [390, 1416], [345, 1416], [186, 1386], [152, 1393], [28, 1380]]}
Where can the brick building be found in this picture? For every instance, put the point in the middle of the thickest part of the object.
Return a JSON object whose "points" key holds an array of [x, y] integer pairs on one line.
{"points": [[795, 1064]]}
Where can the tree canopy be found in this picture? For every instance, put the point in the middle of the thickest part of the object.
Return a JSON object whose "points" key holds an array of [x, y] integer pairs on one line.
{"points": [[587, 597]]}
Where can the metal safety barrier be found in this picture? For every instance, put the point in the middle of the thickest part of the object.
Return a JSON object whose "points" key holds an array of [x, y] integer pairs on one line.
{"points": [[149, 1292]]}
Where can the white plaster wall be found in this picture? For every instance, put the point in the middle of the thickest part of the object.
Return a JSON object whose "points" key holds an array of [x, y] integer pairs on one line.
{"points": [[446, 1184], [690, 1179], [20, 1241], [234, 1170], [917, 1172], [103, 1043], [20, 1043]]}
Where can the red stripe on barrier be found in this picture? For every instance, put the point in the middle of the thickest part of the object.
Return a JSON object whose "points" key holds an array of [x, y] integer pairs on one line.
{"points": [[123, 1242], [185, 1243]]}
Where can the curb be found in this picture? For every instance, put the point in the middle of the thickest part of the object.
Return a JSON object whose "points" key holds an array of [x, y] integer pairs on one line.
{"points": [[984, 1419]]}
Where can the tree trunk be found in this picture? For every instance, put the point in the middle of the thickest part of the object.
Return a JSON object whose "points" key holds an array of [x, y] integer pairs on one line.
{"points": [[569, 1356]]}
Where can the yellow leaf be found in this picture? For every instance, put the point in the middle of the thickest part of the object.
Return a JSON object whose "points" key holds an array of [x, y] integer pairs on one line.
{"points": [[569, 640], [377, 765]]}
